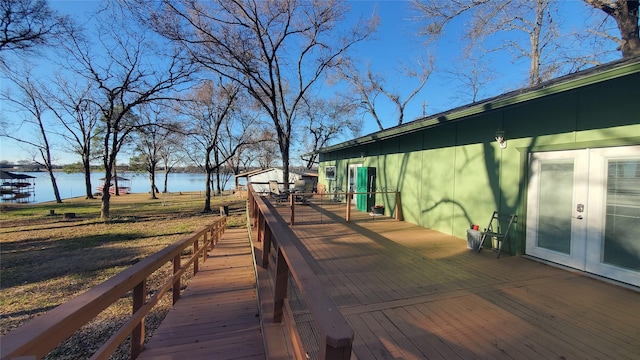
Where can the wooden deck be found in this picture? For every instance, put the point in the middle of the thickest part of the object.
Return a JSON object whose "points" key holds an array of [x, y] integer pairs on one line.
{"points": [[414, 293], [409, 293], [217, 317]]}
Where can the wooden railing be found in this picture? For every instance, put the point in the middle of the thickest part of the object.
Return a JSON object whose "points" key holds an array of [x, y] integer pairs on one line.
{"points": [[39, 336], [335, 334], [349, 198]]}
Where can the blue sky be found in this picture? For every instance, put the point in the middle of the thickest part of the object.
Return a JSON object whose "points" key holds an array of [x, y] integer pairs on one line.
{"points": [[395, 41]]}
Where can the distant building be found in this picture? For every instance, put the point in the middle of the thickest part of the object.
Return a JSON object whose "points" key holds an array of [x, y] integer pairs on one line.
{"points": [[260, 178]]}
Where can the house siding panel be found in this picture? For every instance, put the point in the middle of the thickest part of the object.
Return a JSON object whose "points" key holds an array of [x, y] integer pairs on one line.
{"points": [[436, 202]]}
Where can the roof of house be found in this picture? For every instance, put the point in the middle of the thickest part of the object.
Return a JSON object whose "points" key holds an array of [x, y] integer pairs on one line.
{"points": [[561, 84], [250, 172]]}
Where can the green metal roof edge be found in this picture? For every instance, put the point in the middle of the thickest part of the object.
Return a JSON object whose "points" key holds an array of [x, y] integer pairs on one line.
{"points": [[565, 83]]}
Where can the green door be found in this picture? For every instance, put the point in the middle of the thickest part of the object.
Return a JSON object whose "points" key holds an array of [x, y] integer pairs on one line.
{"points": [[365, 182]]}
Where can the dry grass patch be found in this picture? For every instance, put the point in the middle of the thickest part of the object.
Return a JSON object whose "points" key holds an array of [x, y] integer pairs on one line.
{"points": [[46, 260]]}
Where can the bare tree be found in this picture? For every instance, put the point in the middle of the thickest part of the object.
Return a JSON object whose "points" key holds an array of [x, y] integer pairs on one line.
{"points": [[534, 19], [152, 139], [326, 120], [31, 100], [214, 109], [625, 14], [171, 154], [531, 30], [261, 150], [261, 147], [276, 50], [126, 70], [367, 88], [473, 74], [73, 107], [28, 24]]}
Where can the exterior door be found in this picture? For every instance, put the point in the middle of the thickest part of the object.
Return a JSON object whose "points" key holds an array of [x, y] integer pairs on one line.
{"points": [[557, 196], [352, 180], [366, 183], [613, 240], [584, 210]]}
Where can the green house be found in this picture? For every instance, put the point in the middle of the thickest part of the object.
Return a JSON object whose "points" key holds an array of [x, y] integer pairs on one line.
{"points": [[567, 164]]}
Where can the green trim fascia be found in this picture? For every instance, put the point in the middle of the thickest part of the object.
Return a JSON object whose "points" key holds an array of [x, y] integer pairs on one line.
{"points": [[562, 84], [629, 141]]}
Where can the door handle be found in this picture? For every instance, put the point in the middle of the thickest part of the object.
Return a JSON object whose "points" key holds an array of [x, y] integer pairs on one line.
{"points": [[579, 217]]}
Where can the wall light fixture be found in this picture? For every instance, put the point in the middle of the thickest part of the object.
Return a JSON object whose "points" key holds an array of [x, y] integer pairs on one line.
{"points": [[500, 139]]}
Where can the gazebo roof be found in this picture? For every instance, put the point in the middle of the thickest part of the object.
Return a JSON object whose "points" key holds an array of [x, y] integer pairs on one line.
{"points": [[119, 178], [9, 175]]}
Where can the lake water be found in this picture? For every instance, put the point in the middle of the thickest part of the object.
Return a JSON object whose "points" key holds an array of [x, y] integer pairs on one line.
{"points": [[72, 185]]}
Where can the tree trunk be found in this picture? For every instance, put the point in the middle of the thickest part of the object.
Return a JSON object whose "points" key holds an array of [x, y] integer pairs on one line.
{"points": [[152, 180], [625, 13], [217, 159], [104, 207], [627, 20], [56, 192], [87, 177], [207, 194], [166, 180], [534, 69], [218, 182], [284, 149], [116, 191], [106, 196]]}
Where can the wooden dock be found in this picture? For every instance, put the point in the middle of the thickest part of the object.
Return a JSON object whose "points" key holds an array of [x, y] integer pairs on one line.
{"points": [[217, 317]]}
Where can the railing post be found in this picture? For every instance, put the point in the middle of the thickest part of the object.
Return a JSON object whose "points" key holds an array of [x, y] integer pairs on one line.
{"points": [[266, 247], [328, 352], [255, 212], [206, 245], [260, 229], [348, 215], [196, 248], [215, 234], [251, 205], [280, 291], [137, 335], [178, 284]]}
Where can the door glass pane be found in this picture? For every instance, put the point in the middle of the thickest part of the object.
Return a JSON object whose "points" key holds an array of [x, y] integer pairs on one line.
{"points": [[555, 206], [352, 178], [621, 246]]}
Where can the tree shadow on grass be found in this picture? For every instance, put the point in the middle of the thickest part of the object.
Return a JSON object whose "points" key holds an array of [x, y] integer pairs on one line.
{"points": [[40, 259]]}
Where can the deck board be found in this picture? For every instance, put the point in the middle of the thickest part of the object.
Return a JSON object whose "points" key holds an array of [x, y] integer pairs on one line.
{"points": [[217, 316], [415, 293]]}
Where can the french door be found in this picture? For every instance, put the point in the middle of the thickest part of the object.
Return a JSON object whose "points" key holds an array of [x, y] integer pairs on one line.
{"points": [[584, 210]]}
